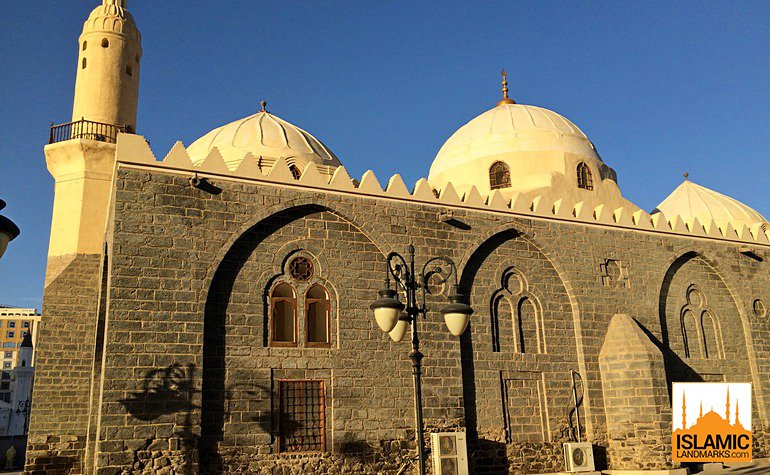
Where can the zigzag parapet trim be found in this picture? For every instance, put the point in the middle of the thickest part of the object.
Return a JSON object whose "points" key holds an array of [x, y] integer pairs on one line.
{"points": [[134, 149]]}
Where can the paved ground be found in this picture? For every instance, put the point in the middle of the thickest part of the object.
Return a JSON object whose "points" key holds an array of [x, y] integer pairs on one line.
{"points": [[760, 466]]}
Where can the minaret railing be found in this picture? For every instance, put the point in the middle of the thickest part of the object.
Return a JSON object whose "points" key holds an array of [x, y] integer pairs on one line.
{"points": [[85, 129]]}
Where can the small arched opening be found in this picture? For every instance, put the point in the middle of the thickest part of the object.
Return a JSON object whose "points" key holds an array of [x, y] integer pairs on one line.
{"points": [[499, 176], [585, 179]]}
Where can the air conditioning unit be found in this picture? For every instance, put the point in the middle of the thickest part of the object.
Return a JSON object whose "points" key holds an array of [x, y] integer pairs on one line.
{"points": [[450, 453], [578, 457]]}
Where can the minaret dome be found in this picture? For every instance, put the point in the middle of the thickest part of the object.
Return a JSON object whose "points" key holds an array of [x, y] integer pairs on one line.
{"points": [[107, 85]]}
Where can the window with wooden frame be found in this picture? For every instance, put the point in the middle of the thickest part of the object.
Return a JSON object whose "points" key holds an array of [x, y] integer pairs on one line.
{"points": [[295, 172], [301, 416], [585, 179], [317, 316], [283, 313], [499, 176]]}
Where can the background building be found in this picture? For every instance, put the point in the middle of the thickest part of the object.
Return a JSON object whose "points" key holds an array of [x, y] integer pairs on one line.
{"points": [[210, 311], [15, 324]]}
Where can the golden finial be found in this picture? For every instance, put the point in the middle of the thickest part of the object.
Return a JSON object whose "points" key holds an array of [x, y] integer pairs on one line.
{"points": [[263, 104], [506, 99], [686, 176]]}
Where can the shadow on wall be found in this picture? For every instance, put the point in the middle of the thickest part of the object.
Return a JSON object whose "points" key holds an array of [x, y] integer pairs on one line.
{"points": [[485, 456], [677, 370], [214, 391], [164, 391], [167, 391]]}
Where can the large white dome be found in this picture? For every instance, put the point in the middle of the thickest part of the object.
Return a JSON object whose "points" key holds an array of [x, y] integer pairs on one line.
{"points": [[540, 148], [267, 138]]}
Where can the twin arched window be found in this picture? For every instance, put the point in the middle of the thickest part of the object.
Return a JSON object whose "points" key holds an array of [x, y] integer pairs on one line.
{"points": [[513, 302], [284, 323], [584, 178], [701, 335], [499, 176]]}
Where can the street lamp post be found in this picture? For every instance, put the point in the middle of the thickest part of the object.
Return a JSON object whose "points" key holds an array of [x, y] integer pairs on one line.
{"points": [[24, 408], [393, 317]]}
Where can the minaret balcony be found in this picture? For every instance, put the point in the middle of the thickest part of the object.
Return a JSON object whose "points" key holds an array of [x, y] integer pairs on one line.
{"points": [[87, 130]]}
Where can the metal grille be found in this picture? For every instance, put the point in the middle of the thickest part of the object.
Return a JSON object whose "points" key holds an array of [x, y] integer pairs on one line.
{"points": [[301, 426], [585, 180], [85, 129], [301, 268], [499, 176]]}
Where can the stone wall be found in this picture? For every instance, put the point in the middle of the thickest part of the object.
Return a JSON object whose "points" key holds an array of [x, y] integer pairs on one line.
{"points": [[190, 377], [635, 398], [65, 355]]}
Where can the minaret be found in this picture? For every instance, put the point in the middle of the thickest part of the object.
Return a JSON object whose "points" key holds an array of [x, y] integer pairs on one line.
{"points": [[81, 155], [727, 406], [23, 375], [107, 85], [737, 421], [684, 412], [701, 410]]}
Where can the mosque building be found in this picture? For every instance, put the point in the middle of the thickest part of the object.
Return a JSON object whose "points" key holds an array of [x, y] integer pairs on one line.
{"points": [[209, 312]]}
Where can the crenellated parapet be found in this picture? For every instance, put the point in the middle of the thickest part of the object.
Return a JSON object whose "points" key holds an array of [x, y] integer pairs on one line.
{"points": [[134, 150]]}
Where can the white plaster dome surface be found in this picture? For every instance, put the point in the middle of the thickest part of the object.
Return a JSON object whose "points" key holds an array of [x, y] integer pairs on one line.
{"points": [[267, 138], [511, 127], [690, 200], [540, 148]]}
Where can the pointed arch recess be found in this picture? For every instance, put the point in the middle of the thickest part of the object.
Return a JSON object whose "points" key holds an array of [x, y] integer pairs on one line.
{"points": [[508, 231], [215, 295]]}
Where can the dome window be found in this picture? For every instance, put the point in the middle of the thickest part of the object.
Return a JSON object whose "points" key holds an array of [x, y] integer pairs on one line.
{"points": [[83, 63], [585, 179], [129, 70], [499, 176], [105, 43], [295, 172], [85, 45]]}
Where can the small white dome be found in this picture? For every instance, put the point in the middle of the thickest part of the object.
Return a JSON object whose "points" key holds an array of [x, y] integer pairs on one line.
{"points": [[690, 200], [267, 138]]}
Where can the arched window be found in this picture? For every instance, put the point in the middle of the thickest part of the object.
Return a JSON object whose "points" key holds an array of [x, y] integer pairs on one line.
{"points": [[584, 178], [499, 176], [83, 63], [85, 45], [690, 335], [710, 330], [501, 312], [317, 316], [129, 70], [283, 312], [527, 327], [295, 172], [105, 43]]}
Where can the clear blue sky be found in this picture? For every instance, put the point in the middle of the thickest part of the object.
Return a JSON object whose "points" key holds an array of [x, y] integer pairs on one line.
{"points": [[659, 87]]}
